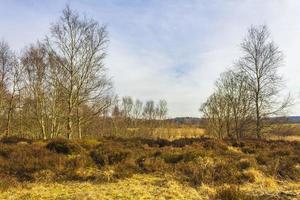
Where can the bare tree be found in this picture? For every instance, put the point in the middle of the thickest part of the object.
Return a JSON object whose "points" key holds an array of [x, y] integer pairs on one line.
{"points": [[214, 113], [260, 64], [79, 47], [35, 65], [162, 109], [127, 106], [233, 86], [5, 69], [149, 110], [14, 85], [137, 109]]}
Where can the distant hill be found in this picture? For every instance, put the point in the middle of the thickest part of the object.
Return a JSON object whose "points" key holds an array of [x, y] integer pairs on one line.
{"points": [[186, 120], [198, 120], [287, 119]]}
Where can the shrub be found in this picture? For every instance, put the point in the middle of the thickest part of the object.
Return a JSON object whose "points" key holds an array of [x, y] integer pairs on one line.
{"points": [[246, 177], [14, 140], [216, 145], [172, 158], [98, 158], [282, 152], [226, 172], [190, 156], [156, 143], [237, 144], [5, 151], [7, 182], [195, 174], [88, 144], [244, 164], [24, 161], [63, 146], [287, 169], [182, 142], [232, 193], [102, 156], [262, 158], [248, 150], [151, 164]]}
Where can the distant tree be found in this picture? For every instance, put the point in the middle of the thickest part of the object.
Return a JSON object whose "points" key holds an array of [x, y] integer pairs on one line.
{"points": [[149, 110], [127, 106], [162, 109], [137, 109]]}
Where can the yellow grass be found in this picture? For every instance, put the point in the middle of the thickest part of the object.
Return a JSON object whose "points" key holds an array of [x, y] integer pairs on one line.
{"points": [[264, 185], [145, 187], [137, 187], [287, 138], [176, 133]]}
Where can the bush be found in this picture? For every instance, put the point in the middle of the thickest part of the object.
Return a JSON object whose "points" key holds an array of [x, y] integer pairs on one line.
{"points": [[182, 142], [244, 164], [103, 156], [23, 161], [288, 170], [156, 143], [63, 146], [172, 158], [14, 140], [5, 151], [248, 150], [232, 193], [216, 145], [7, 182], [262, 158]]}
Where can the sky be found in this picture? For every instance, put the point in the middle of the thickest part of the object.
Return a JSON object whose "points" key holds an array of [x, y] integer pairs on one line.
{"points": [[168, 49]]}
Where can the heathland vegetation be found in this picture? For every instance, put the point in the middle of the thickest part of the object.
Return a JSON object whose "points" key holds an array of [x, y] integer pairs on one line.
{"points": [[65, 134]]}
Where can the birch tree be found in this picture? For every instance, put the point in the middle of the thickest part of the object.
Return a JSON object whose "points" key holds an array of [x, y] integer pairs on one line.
{"points": [[260, 62], [79, 45]]}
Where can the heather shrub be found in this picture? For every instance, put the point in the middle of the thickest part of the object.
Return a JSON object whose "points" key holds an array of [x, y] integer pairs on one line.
{"points": [[24, 160], [7, 182], [232, 193], [14, 140], [244, 164], [172, 158], [104, 155], [64, 146]]}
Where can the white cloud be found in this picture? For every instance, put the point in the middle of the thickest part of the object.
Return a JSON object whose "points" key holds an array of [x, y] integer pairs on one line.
{"points": [[169, 49]]}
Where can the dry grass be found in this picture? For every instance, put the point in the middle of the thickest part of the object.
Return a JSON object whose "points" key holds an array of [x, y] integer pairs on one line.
{"points": [[150, 187], [286, 138], [177, 133], [169, 133], [136, 187]]}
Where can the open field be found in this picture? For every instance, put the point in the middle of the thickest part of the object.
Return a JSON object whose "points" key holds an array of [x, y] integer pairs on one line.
{"points": [[115, 168], [170, 133]]}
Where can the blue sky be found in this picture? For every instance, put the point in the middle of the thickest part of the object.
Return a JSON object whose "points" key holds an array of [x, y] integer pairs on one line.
{"points": [[170, 49]]}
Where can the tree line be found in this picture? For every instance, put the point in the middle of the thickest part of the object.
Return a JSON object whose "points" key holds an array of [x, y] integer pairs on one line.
{"points": [[60, 86], [247, 95]]}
